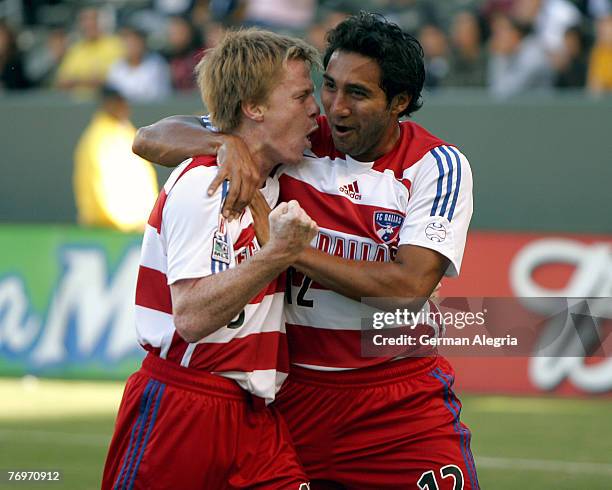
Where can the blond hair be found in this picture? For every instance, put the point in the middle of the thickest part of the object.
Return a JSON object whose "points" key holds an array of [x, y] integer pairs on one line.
{"points": [[244, 67]]}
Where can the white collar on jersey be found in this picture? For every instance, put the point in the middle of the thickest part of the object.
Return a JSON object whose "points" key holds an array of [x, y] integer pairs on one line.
{"points": [[357, 165]]}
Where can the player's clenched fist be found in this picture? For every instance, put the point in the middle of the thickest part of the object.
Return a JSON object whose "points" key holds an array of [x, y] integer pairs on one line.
{"points": [[291, 229]]}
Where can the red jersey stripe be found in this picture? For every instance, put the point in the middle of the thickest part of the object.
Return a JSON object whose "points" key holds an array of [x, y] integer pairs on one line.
{"points": [[177, 348], [153, 290], [263, 350], [246, 236], [332, 211], [347, 348], [155, 218]]}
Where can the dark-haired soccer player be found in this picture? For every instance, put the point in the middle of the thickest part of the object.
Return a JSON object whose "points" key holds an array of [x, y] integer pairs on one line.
{"points": [[393, 204]]}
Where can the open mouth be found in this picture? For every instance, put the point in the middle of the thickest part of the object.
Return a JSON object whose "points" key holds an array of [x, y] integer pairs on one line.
{"points": [[342, 130], [309, 134]]}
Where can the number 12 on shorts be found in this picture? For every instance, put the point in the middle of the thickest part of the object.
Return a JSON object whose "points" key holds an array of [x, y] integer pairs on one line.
{"points": [[428, 479]]}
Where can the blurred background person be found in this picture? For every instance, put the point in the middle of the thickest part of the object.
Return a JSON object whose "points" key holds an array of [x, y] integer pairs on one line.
{"points": [[550, 19], [12, 72], [86, 64], [468, 57], [183, 51], [113, 187], [435, 46], [43, 62], [518, 62], [174, 7], [410, 15], [213, 33], [600, 62], [597, 8], [328, 17], [141, 75], [572, 62], [286, 15]]}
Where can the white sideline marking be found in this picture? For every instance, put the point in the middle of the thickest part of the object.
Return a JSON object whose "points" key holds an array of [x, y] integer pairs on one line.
{"points": [[552, 466], [100, 440]]}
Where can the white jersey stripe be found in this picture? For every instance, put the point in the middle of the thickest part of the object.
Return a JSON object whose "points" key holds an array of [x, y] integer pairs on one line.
{"points": [[147, 316], [153, 254], [187, 355], [271, 306]]}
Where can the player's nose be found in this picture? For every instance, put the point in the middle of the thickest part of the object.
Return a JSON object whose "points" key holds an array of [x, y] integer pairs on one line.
{"points": [[313, 108], [339, 106]]}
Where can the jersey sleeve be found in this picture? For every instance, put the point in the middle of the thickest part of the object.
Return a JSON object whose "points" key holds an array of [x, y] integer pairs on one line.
{"points": [[440, 206], [197, 238]]}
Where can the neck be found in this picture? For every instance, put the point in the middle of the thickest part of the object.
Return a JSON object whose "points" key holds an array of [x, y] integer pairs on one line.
{"points": [[255, 143], [385, 144]]}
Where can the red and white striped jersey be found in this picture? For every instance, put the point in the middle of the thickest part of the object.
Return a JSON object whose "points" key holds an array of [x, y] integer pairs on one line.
{"points": [[186, 237], [420, 193]]}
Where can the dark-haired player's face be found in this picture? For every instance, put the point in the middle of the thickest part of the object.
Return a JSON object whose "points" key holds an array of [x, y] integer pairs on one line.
{"points": [[363, 124]]}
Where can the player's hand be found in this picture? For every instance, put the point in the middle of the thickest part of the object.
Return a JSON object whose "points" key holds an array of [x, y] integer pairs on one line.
{"points": [[291, 229], [236, 165], [260, 211]]}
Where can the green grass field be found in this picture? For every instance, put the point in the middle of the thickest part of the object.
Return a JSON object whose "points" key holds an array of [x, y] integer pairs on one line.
{"points": [[518, 443]]}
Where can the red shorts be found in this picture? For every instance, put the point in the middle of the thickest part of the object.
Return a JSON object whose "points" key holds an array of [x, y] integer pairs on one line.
{"points": [[182, 429], [386, 427]]}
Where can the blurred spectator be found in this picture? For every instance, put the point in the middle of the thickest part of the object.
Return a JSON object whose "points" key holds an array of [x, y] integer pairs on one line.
{"points": [[411, 15], [468, 59], [327, 19], [598, 8], [86, 64], [492, 8], [213, 33], [113, 187], [600, 63], [12, 73], [43, 62], [550, 20], [572, 62], [435, 47], [227, 12], [173, 7], [518, 62], [183, 53], [141, 75], [294, 15]]}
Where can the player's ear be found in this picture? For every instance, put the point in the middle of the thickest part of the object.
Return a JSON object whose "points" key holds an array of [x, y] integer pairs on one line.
{"points": [[400, 102], [253, 111]]}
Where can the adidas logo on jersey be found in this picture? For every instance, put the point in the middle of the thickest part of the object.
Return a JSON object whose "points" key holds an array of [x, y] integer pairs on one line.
{"points": [[351, 190]]}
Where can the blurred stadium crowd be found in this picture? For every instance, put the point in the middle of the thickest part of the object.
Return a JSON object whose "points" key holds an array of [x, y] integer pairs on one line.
{"points": [[146, 49]]}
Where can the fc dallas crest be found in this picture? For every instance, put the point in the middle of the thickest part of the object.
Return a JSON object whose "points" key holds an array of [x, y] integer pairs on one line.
{"points": [[387, 225]]}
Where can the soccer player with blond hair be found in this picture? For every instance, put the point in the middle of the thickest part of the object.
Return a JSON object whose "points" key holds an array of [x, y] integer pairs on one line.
{"points": [[209, 299]]}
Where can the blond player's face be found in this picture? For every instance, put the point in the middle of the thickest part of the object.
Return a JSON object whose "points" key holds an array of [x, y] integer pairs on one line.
{"points": [[290, 114]]}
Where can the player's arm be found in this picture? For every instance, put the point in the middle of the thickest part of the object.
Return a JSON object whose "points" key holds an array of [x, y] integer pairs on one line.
{"points": [[410, 279], [203, 305], [176, 138], [438, 197]]}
